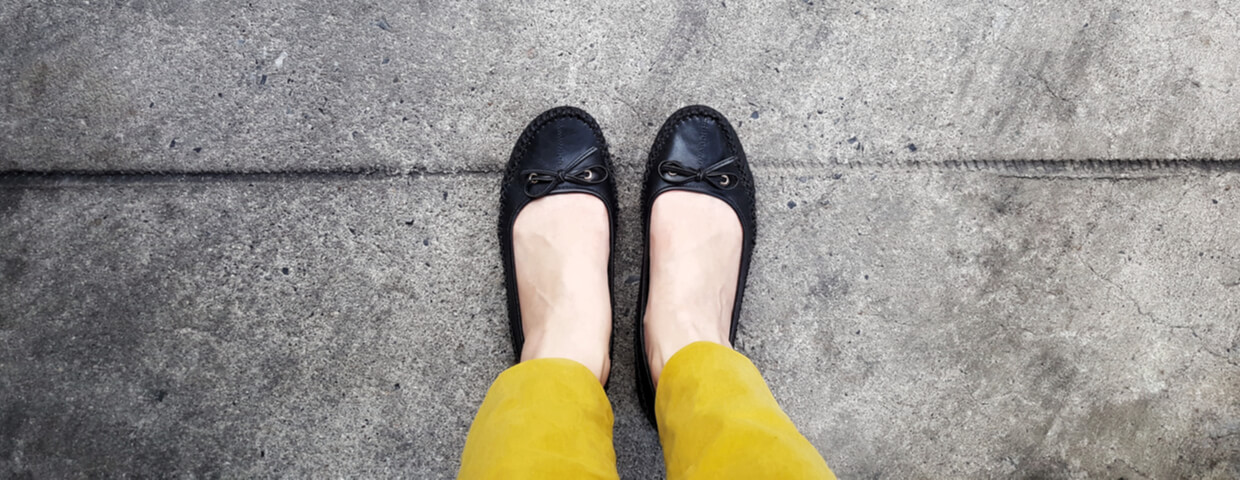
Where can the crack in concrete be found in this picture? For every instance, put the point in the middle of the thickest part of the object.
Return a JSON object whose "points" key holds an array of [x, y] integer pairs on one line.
{"points": [[1046, 84], [1226, 358], [1125, 294]]}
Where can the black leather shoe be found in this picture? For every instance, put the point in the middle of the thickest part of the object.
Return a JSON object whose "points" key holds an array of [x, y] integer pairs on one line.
{"points": [[698, 151], [561, 151]]}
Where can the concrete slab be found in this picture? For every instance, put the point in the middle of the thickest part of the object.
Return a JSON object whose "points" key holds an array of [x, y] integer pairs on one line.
{"points": [[445, 86], [913, 323]]}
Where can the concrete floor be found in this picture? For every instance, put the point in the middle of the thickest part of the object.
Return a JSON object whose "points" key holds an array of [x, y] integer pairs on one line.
{"points": [[997, 240]]}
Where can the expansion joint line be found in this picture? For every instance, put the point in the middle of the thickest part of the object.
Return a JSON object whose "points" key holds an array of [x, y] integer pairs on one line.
{"points": [[1084, 168]]}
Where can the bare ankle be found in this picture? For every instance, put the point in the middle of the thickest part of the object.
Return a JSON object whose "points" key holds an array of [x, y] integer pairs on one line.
{"points": [[593, 358], [666, 336]]}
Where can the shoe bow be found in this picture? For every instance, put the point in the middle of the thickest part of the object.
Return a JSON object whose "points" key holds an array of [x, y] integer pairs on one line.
{"points": [[675, 173], [539, 183]]}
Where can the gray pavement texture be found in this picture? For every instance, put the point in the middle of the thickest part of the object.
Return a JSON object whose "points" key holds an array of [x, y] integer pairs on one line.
{"points": [[444, 86], [914, 325], [997, 239]]}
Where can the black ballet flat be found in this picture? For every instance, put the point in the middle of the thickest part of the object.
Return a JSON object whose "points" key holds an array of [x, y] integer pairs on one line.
{"points": [[560, 151], [697, 150]]}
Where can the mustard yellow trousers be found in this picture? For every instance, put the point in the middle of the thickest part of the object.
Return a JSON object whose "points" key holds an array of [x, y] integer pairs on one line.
{"points": [[550, 419]]}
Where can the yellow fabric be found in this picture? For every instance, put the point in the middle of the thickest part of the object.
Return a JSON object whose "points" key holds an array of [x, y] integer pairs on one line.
{"points": [[542, 419], [550, 418], [718, 420]]}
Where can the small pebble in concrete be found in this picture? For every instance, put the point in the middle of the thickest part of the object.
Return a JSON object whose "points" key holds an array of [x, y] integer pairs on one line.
{"points": [[792, 204], [284, 270], [912, 147], [754, 115]]}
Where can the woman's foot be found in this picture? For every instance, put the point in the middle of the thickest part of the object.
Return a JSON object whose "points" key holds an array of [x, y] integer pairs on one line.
{"points": [[695, 257], [699, 219], [560, 250], [557, 213]]}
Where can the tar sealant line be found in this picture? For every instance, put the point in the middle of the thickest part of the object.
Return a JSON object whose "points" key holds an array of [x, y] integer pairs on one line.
{"points": [[1087, 168]]}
